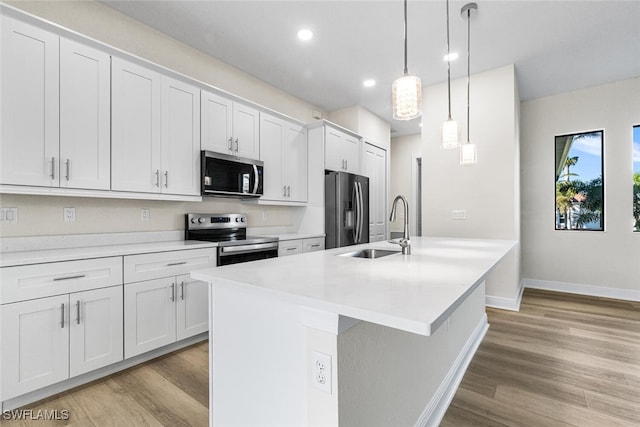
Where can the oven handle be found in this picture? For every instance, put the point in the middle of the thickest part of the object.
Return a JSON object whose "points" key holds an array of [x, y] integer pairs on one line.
{"points": [[231, 250]]}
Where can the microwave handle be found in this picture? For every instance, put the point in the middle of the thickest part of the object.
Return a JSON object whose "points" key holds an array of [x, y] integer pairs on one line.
{"points": [[256, 179]]}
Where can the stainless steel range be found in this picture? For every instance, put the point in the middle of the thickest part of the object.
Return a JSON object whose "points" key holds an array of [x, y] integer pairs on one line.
{"points": [[230, 231]]}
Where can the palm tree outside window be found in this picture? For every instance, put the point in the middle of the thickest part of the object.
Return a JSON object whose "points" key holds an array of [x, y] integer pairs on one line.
{"points": [[579, 183]]}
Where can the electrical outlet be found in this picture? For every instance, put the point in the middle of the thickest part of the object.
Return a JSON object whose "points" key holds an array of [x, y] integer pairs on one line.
{"points": [[9, 215], [264, 215], [145, 214], [459, 214], [321, 371], [69, 214]]}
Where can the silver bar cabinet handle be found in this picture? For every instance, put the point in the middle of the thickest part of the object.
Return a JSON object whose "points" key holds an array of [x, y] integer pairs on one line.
{"points": [[237, 146], [79, 276], [67, 166], [182, 291], [166, 179], [53, 168], [173, 264], [78, 312], [284, 190], [288, 191], [62, 315], [173, 292], [231, 143], [157, 177]]}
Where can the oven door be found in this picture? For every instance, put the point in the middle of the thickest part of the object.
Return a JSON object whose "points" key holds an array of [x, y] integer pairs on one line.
{"points": [[224, 175], [245, 253]]}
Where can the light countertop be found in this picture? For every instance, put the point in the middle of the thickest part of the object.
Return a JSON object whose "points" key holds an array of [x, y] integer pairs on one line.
{"points": [[10, 259], [414, 293], [294, 236]]}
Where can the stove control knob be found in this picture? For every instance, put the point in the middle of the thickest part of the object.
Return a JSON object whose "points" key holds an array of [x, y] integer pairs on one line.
{"points": [[202, 220], [193, 221], [243, 219]]}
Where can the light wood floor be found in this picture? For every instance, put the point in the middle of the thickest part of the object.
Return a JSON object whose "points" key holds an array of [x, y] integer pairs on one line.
{"points": [[172, 390], [563, 360]]}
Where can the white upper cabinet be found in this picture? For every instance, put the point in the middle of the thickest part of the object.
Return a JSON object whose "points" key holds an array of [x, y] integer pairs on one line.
{"points": [[55, 110], [342, 151], [283, 149], [180, 137], [135, 143], [85, 121], [229, 127], [29, 83], [155, 142]]}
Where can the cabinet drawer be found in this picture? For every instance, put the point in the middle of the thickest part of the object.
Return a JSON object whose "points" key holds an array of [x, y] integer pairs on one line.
{"points": [[27, 282], [313, 244], [164, 264], [289, 247]]}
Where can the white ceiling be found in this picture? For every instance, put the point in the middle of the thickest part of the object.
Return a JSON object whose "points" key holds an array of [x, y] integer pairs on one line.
{"points": [[556, 46]]}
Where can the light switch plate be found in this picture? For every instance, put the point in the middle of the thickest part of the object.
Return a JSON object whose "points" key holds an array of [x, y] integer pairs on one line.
{"points": [[9, 215], [459, 214]]}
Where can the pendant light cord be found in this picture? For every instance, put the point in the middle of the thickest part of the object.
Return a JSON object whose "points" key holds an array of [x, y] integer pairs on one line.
{"points": [[406, 70], [468, 67], [448, 63]]}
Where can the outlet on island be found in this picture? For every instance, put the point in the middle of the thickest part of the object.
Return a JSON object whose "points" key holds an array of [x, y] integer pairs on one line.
{"points": [[321, 371]]}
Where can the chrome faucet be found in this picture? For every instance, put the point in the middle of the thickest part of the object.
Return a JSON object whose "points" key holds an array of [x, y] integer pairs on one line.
{"points": [[405, 242]]}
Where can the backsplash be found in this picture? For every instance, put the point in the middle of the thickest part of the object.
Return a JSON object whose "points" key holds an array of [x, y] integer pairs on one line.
{"points": [[43, 215]]}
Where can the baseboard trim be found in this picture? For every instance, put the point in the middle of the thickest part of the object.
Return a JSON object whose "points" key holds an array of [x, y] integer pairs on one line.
{"points": [[502, 303], [65, 385], [437, 407], [577, 288]]}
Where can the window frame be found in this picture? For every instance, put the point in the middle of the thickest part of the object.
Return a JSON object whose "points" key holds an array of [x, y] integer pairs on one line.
{"points": [[602, 151]]}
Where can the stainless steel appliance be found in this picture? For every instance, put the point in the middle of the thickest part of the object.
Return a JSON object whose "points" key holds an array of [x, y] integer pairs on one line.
{"points": [[230, 231], [230, 176], [346, 215]]}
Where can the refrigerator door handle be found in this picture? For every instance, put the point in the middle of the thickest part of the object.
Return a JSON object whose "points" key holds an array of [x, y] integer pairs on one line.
{"points": [[354, 198], [360, 212]]}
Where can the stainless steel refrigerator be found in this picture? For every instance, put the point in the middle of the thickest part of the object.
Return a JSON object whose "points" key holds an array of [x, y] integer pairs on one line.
{"points": [[346, 217]]}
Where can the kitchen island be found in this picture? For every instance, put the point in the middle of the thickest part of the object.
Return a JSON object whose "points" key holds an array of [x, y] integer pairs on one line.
{"points": [[330, 339]]}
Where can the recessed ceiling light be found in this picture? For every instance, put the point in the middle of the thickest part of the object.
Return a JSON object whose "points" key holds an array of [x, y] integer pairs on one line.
{"points": [[451, 57], [369, 83], [305, 34]]}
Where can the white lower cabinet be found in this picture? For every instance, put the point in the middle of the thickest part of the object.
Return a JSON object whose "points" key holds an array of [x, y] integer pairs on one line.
{"points": [[162, 303], [162, 311], [150, 315], [48, 340], [299, 246], [289, 247]]}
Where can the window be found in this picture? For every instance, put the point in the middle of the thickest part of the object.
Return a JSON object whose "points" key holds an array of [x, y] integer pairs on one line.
{"points": [[579, 181], [636, 178]]}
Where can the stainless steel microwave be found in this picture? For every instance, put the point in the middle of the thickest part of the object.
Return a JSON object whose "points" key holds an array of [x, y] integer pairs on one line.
{"points": [[230, 176]]}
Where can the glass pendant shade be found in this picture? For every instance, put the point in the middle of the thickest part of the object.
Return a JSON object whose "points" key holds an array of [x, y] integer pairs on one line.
{"points": [[468, 154], [450, 138], [406, 98]]}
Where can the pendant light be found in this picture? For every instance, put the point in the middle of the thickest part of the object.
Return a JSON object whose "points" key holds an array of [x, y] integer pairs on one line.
{"points": [[406, 91], [450, 127], [468, 151]]}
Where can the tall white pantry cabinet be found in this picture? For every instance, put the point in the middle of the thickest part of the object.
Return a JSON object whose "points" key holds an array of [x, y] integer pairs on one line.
{"points": [[55, 110]]}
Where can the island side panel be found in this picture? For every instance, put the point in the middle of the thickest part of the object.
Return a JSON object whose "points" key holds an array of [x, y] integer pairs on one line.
{"points": [[391, 377], [258, 354]]}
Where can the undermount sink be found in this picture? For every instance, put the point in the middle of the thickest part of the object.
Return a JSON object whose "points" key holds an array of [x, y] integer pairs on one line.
{"points": [[370, 253]]}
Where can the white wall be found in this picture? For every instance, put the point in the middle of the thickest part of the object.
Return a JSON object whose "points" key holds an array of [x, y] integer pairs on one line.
{"points": [[606, 261], [489, 191], [404, 151], [39, 215]]}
